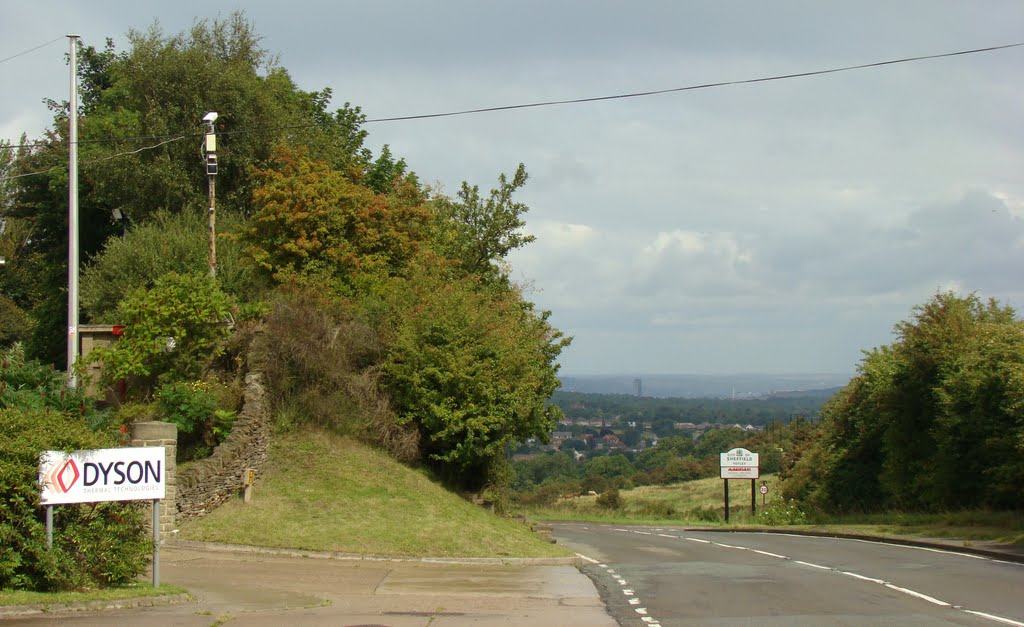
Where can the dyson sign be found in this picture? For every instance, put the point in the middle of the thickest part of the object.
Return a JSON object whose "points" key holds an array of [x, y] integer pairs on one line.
{"points": [[110, 474]]}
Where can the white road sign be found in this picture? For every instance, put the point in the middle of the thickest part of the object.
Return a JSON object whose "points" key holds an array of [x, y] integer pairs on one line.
{"points": [[107, 474]]}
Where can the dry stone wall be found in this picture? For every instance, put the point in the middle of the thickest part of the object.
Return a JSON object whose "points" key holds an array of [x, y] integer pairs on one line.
{"points": [[207, 484]]}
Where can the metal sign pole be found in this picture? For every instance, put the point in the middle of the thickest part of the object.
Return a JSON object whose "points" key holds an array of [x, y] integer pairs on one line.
{"points": [[726, 499], [753, 496], [156, 543], [49, 526]]}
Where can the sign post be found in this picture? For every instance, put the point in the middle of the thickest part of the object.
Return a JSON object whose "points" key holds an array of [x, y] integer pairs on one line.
{"points": [[739, 463], [108, 474]]}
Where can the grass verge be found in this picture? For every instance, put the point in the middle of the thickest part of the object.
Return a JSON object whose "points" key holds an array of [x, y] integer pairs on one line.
{"points": [[323, 492], [700, 503], [23, 597]]}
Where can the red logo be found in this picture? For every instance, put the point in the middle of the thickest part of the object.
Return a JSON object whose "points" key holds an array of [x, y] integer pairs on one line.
{"points": [[62, 478]]}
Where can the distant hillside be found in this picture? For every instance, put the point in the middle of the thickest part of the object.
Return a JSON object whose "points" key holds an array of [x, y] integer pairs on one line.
{"points": [[708, 386]]}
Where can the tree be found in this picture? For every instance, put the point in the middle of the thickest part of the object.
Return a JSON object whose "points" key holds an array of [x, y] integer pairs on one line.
{"points": [[311, 220], [471, 368], [932, 421], [479, 232]]}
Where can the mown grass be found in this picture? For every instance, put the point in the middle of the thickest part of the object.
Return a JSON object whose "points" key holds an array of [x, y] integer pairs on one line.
{"points": [[324, 492], [23, 597], [700, 503]]}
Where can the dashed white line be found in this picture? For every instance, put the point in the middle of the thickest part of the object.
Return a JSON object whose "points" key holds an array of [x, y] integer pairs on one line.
{"points": [[855, 575], [699, 540], [781, 557], [627, 592], [640, 610], [643, 533], [665, 535], [813, 565], [634, 601]]}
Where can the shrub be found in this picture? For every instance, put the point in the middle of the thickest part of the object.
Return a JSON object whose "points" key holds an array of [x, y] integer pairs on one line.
{"points": [[610, 499], [173, 332], [101, 544], [193, 407], [782, 513]]}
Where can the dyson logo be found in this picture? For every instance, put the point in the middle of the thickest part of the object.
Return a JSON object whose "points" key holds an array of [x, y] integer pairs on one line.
{"points": [[64, 476]]}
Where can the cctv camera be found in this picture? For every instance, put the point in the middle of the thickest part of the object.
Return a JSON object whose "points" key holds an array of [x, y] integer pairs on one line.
{"points": [[210, 117]]}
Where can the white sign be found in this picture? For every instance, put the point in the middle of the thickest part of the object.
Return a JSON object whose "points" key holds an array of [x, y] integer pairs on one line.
{"points": [[740, 472], [739, 457], [763, 489], [106, 474]]}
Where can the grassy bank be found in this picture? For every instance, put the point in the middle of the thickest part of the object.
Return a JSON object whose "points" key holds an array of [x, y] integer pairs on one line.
{"points": [[700, 503], [323, 492]]}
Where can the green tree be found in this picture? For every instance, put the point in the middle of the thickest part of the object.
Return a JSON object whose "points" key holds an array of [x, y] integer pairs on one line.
{"points": [[473, 369], [480, 232]]}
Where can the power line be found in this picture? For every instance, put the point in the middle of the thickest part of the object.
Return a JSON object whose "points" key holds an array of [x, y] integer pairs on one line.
{"points": [[93, 161], [15, 56], [550, 103], [639, 94]]}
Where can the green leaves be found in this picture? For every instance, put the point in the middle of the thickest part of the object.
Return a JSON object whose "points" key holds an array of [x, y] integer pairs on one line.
{"points": [[173, 331], [472, 369], [932, 421]]}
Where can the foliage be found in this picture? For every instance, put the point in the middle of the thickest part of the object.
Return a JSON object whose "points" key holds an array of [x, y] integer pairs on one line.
{"points": [[193, 407], [610, 499], [319, 364], [933, 421], [172, 331], [94, 544], [160, 87], [169, 242], [479, 232], [780, 512], [471, 368], [27, 384], [312, 220]]}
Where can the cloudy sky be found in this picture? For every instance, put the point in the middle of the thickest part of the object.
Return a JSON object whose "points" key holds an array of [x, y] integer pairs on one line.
{"points": [[779, 227]]}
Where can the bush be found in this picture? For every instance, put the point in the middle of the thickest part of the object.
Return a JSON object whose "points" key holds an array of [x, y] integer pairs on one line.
{"points": [[193, 407], [610, 499], [173, 332], [94, 545], [782, 513]]}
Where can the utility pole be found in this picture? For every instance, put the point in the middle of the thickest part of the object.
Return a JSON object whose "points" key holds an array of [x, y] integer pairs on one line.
{"points": [[210, 148], [73, 216]]}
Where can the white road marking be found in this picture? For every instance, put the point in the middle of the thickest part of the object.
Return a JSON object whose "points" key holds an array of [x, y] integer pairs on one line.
{"points": [[699, 540], [998, 619], [813, 565], [588, 559], [621, 582], [918, 595], [781, 557], [643, 533], [640, 610], [871, 579], [634, 601], [628, 593], [665, 535]]}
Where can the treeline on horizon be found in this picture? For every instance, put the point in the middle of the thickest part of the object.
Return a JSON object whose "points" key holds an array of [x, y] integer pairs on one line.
{"points": [[654, 411]]}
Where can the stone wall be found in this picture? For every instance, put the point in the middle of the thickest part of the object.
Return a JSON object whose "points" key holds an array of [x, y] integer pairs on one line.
{"points": [[207, 484], [162, 434]]}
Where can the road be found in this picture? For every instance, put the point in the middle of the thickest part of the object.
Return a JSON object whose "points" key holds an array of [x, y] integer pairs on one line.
{"points": [[673, 576]]}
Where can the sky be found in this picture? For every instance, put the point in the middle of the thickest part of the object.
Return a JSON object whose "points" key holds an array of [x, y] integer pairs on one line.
{"points": [[775, 227]]}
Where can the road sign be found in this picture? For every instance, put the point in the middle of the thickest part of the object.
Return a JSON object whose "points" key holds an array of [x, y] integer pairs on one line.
{"points": [[763, 489], [740, 472], [739, 457]]}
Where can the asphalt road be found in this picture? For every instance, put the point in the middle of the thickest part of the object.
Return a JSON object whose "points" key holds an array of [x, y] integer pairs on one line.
{"points": [[673, 576]]}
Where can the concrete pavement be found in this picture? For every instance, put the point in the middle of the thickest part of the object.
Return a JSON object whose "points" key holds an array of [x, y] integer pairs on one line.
{"points": [[249, 587]]}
